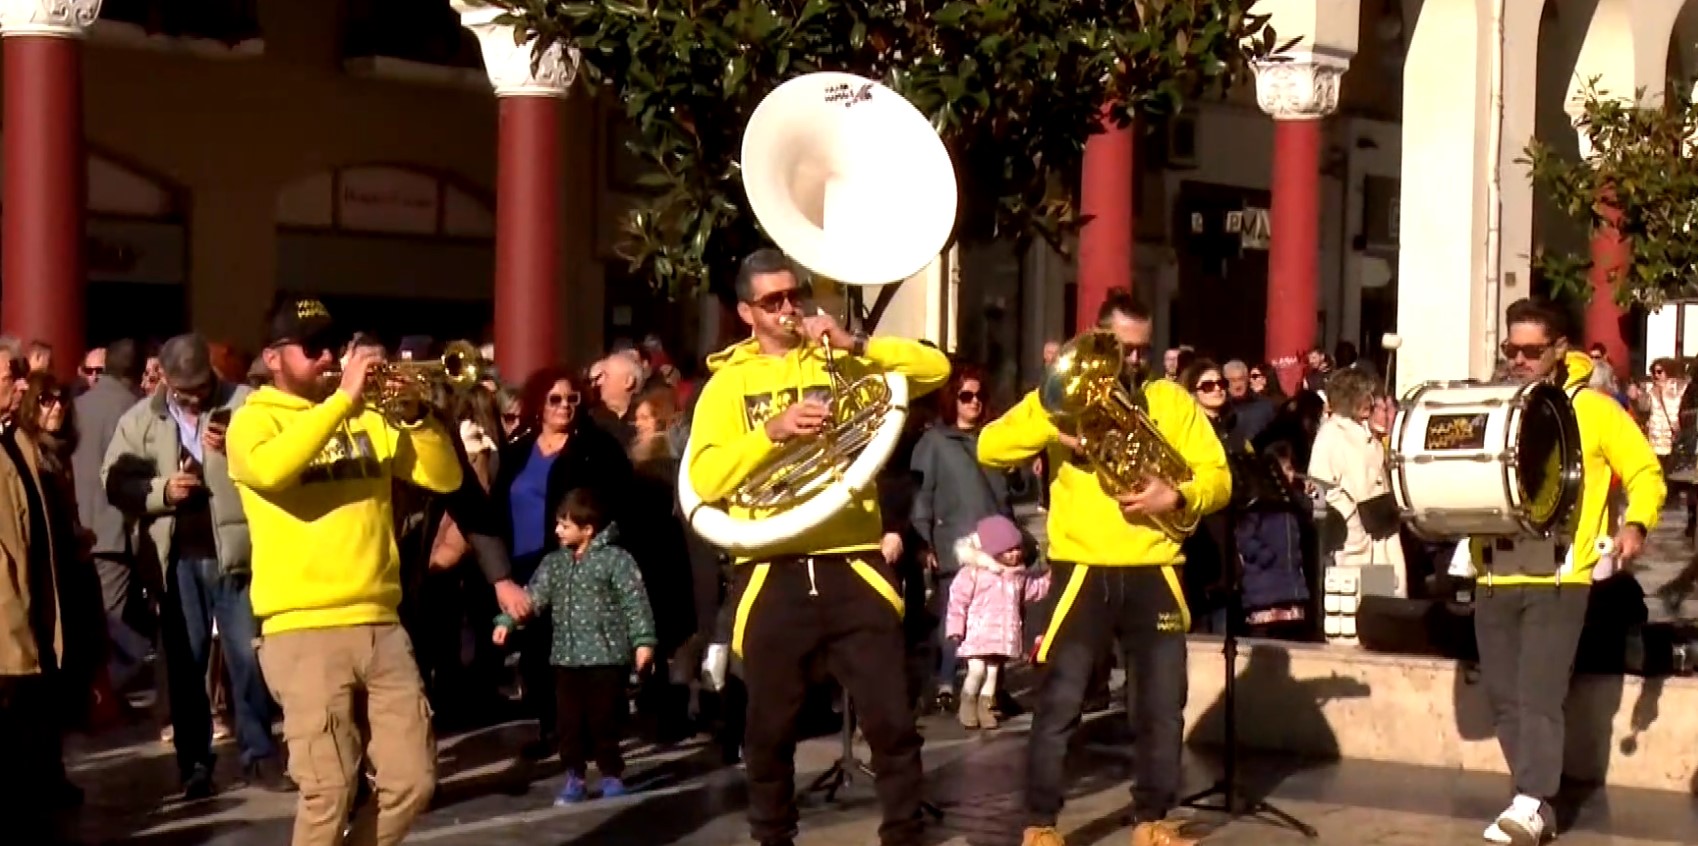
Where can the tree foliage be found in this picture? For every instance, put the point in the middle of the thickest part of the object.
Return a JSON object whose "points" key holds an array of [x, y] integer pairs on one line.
{"points": [[1013, 86], [1641, 161]]}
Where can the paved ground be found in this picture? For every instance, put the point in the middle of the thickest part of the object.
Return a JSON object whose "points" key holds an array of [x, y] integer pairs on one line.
{"points": [[688, 800]]}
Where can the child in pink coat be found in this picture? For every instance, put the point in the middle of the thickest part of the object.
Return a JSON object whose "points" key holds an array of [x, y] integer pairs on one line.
{"points": [[984, 611]]}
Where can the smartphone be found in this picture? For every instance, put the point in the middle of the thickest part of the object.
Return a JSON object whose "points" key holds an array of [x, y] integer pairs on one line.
{"points": [[220, 418]]}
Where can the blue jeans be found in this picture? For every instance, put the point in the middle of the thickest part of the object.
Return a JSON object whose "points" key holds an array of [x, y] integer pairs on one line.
{"points": [[205, 594], [946, 661]]}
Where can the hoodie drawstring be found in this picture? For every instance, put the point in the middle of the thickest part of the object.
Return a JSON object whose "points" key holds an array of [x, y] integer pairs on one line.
{"points": [[813, 587]]}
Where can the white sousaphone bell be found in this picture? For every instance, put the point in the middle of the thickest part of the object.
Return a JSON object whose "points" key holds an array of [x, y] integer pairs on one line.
{"points": [[851, 182]]}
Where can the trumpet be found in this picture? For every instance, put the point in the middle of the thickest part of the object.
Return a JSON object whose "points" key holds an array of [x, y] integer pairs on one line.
{"points": [[404, 391]]}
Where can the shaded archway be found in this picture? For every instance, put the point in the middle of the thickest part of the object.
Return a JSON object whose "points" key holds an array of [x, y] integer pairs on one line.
{"points": [[393, 250]]}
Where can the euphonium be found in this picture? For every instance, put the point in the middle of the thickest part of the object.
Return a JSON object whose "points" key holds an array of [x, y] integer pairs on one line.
{"points": [[403, 391], [804, 465], [1083, 392]]}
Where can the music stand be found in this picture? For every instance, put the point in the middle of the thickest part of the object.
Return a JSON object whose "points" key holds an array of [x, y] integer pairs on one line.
{"points": [[847, 767], [1227, 787]]}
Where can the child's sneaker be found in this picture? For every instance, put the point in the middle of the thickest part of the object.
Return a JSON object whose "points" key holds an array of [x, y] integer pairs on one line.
{"points": [[572, 792], [612, 787]]}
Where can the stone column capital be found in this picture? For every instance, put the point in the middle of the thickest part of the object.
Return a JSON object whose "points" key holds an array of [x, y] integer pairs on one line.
{"points": [[1300, 86], [517, 69], [48, 18]]}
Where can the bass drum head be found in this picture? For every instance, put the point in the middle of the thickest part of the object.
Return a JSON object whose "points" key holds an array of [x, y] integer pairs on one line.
{"points": [[1548, 457]]}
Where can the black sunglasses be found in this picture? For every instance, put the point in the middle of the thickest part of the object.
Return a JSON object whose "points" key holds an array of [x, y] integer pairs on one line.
{"points": [[1209, 386], [1530, 352], [967, 396], [776, 300], [91, 371]]}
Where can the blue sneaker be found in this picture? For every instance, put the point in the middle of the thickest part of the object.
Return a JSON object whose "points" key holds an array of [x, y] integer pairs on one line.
{"points": [[612, 787], [572, 792]]}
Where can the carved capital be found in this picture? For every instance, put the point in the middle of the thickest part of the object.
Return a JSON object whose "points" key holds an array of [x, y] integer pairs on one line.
{"points": [[1304, 86], [51, 18], [509, 65]]}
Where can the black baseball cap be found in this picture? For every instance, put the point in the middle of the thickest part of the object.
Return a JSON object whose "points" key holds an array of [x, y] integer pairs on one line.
{"points": [[304, 321]]}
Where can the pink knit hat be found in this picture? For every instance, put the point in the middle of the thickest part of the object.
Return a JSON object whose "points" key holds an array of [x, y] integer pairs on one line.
{"points": [[998, 534]]}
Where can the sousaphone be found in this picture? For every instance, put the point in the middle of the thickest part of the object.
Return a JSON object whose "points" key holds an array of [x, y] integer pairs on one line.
{"points": [[852, 183]]}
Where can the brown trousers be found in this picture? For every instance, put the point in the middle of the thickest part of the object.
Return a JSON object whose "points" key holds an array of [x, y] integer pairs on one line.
{"points": [[351, 697]]}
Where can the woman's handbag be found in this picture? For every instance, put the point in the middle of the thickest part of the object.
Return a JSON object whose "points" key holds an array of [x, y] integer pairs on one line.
{"points": [[1380, 516], [1681, 464]]}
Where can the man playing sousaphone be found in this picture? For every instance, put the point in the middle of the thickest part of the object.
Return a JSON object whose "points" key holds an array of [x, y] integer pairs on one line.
{"points": [[1119, 584], [828, 592], [1528, 622]]}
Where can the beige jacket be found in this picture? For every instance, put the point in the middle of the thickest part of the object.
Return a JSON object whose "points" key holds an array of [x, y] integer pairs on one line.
{"points": [[20, 654], [1350, 465]]}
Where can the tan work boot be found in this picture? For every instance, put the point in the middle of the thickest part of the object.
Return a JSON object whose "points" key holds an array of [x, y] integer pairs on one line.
{"points": [[968, 713], [987, 717], [1162, 833], [1044, 836]]}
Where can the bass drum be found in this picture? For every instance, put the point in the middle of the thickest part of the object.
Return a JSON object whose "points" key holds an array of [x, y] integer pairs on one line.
{"points": [[1471, 459]]}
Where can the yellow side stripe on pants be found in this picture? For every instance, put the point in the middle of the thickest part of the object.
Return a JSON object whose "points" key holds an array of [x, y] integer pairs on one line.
{"points": [[1076, 582], [744, 603]]}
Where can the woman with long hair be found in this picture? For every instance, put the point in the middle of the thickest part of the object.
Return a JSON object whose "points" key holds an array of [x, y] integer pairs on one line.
{"points": [[556, 449], [955, 492]]}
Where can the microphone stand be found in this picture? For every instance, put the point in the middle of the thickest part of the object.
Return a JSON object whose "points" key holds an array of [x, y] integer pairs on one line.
{"points": [[847, 767], [1229, 802]]}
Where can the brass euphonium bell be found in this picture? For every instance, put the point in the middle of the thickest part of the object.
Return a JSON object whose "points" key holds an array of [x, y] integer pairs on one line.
{"points": [[404, 391], [1084, 394]]}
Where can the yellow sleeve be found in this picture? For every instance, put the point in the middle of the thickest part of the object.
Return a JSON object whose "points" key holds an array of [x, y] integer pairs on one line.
{"points": [[1630, 456], [722, 453], [267, 455], [1183, 424], [425, 456], [1015, 437], [927, 368]]}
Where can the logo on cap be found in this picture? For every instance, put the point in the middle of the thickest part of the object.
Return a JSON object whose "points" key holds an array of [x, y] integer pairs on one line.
{"points": [[305, 309]]}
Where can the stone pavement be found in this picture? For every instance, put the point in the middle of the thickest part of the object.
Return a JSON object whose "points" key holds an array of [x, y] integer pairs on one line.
{"points": [[1667, 553], [688, 800]]}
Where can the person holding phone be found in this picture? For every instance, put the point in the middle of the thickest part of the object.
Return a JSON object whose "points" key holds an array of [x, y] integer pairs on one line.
{"points": [[166, 470]]}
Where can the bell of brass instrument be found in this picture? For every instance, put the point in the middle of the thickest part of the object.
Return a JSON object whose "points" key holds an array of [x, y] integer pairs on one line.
{"points": [[404, 391], [803, 466], [1084, 394]]}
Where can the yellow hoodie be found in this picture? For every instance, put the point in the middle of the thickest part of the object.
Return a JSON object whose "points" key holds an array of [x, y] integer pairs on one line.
{"points": [[315, 483], [748, 388], [1611, 445], [1085, 523]]}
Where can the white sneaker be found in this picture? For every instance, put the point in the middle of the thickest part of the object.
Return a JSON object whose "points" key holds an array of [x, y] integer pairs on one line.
{"points": [[1523, 822], [1494, 834]]}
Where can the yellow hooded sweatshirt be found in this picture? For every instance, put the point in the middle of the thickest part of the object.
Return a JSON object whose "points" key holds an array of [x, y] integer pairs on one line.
{"points": [[315, 483], [748, 388], [1085, 523], [1611, 445]]}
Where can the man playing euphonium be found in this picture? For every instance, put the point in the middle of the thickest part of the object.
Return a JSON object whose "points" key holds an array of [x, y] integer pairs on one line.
{"points": [[1118, 580], [1528, 622], [829, 592]]}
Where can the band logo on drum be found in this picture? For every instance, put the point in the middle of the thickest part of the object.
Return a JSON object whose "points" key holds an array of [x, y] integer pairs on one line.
{"points": [[1455, 432], [842, 93]]}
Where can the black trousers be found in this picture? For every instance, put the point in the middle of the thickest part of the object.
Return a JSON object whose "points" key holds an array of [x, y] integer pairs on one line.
{"points": [[32, 767], [1141, 610], [1527, 637], [826, 609], [591, 708]]}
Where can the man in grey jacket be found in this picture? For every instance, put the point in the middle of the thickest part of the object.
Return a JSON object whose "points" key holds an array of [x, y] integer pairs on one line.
{"points": [[97, 413], [166, 470]]}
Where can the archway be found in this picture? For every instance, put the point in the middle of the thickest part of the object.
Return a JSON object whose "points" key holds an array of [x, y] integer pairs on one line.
{"points": [[392, 250], [136, 254]]}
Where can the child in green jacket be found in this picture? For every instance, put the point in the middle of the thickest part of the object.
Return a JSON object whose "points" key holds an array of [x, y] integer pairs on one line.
{"points": [[594, 597]]}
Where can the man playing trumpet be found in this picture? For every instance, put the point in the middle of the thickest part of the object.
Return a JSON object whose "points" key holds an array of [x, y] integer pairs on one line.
{"points": [[830, 592], [1119, 579]]}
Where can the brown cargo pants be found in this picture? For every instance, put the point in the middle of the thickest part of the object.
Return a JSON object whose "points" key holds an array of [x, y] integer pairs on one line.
{"points": [[351, 697]]}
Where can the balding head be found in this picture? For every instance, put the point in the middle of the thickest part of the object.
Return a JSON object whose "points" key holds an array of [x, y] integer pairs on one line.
{"points": [[618, 379]]}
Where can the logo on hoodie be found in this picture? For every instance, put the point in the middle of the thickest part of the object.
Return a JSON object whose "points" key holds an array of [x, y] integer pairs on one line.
{"points": [[760, 408], [347, 456]]}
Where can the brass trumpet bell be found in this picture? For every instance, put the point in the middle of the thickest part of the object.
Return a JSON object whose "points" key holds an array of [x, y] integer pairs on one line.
{"points": [[404, 391]]}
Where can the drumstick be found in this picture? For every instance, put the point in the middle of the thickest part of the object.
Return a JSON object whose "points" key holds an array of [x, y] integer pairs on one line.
{"points": [[1390, 342]]}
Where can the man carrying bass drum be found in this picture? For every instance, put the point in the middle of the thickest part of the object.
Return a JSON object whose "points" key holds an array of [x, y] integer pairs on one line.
{"points": [[1118, 576], [828, 592], [1527, 622]]}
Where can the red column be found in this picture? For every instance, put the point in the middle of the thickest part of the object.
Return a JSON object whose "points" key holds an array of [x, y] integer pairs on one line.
{"points": [[1107, 203], [1294, 251], [1610, 256], [527, 233], [41, 267]]}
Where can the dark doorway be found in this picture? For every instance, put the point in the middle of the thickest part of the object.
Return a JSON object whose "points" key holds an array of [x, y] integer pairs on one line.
{"points": [[1222, 302]]}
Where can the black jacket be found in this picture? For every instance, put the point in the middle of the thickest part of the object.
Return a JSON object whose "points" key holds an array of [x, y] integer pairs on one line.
{"points": [[592, 458]]}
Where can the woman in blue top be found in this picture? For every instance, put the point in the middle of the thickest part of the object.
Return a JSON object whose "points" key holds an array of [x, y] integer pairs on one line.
{"points": [[556, 450]]}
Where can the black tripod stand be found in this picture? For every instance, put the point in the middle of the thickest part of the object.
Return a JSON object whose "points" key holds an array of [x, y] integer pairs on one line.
{"points": [[1222, 796], [847, 767]]}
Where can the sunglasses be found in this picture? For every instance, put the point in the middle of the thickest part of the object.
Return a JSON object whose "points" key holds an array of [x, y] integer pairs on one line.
{"points": [[1255, 375], [1657, 372], [52, 399], [967, 396], [773, 302], [1209, 386], [1530, 352], [91, 371], [510, 417], [568, 400]]}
